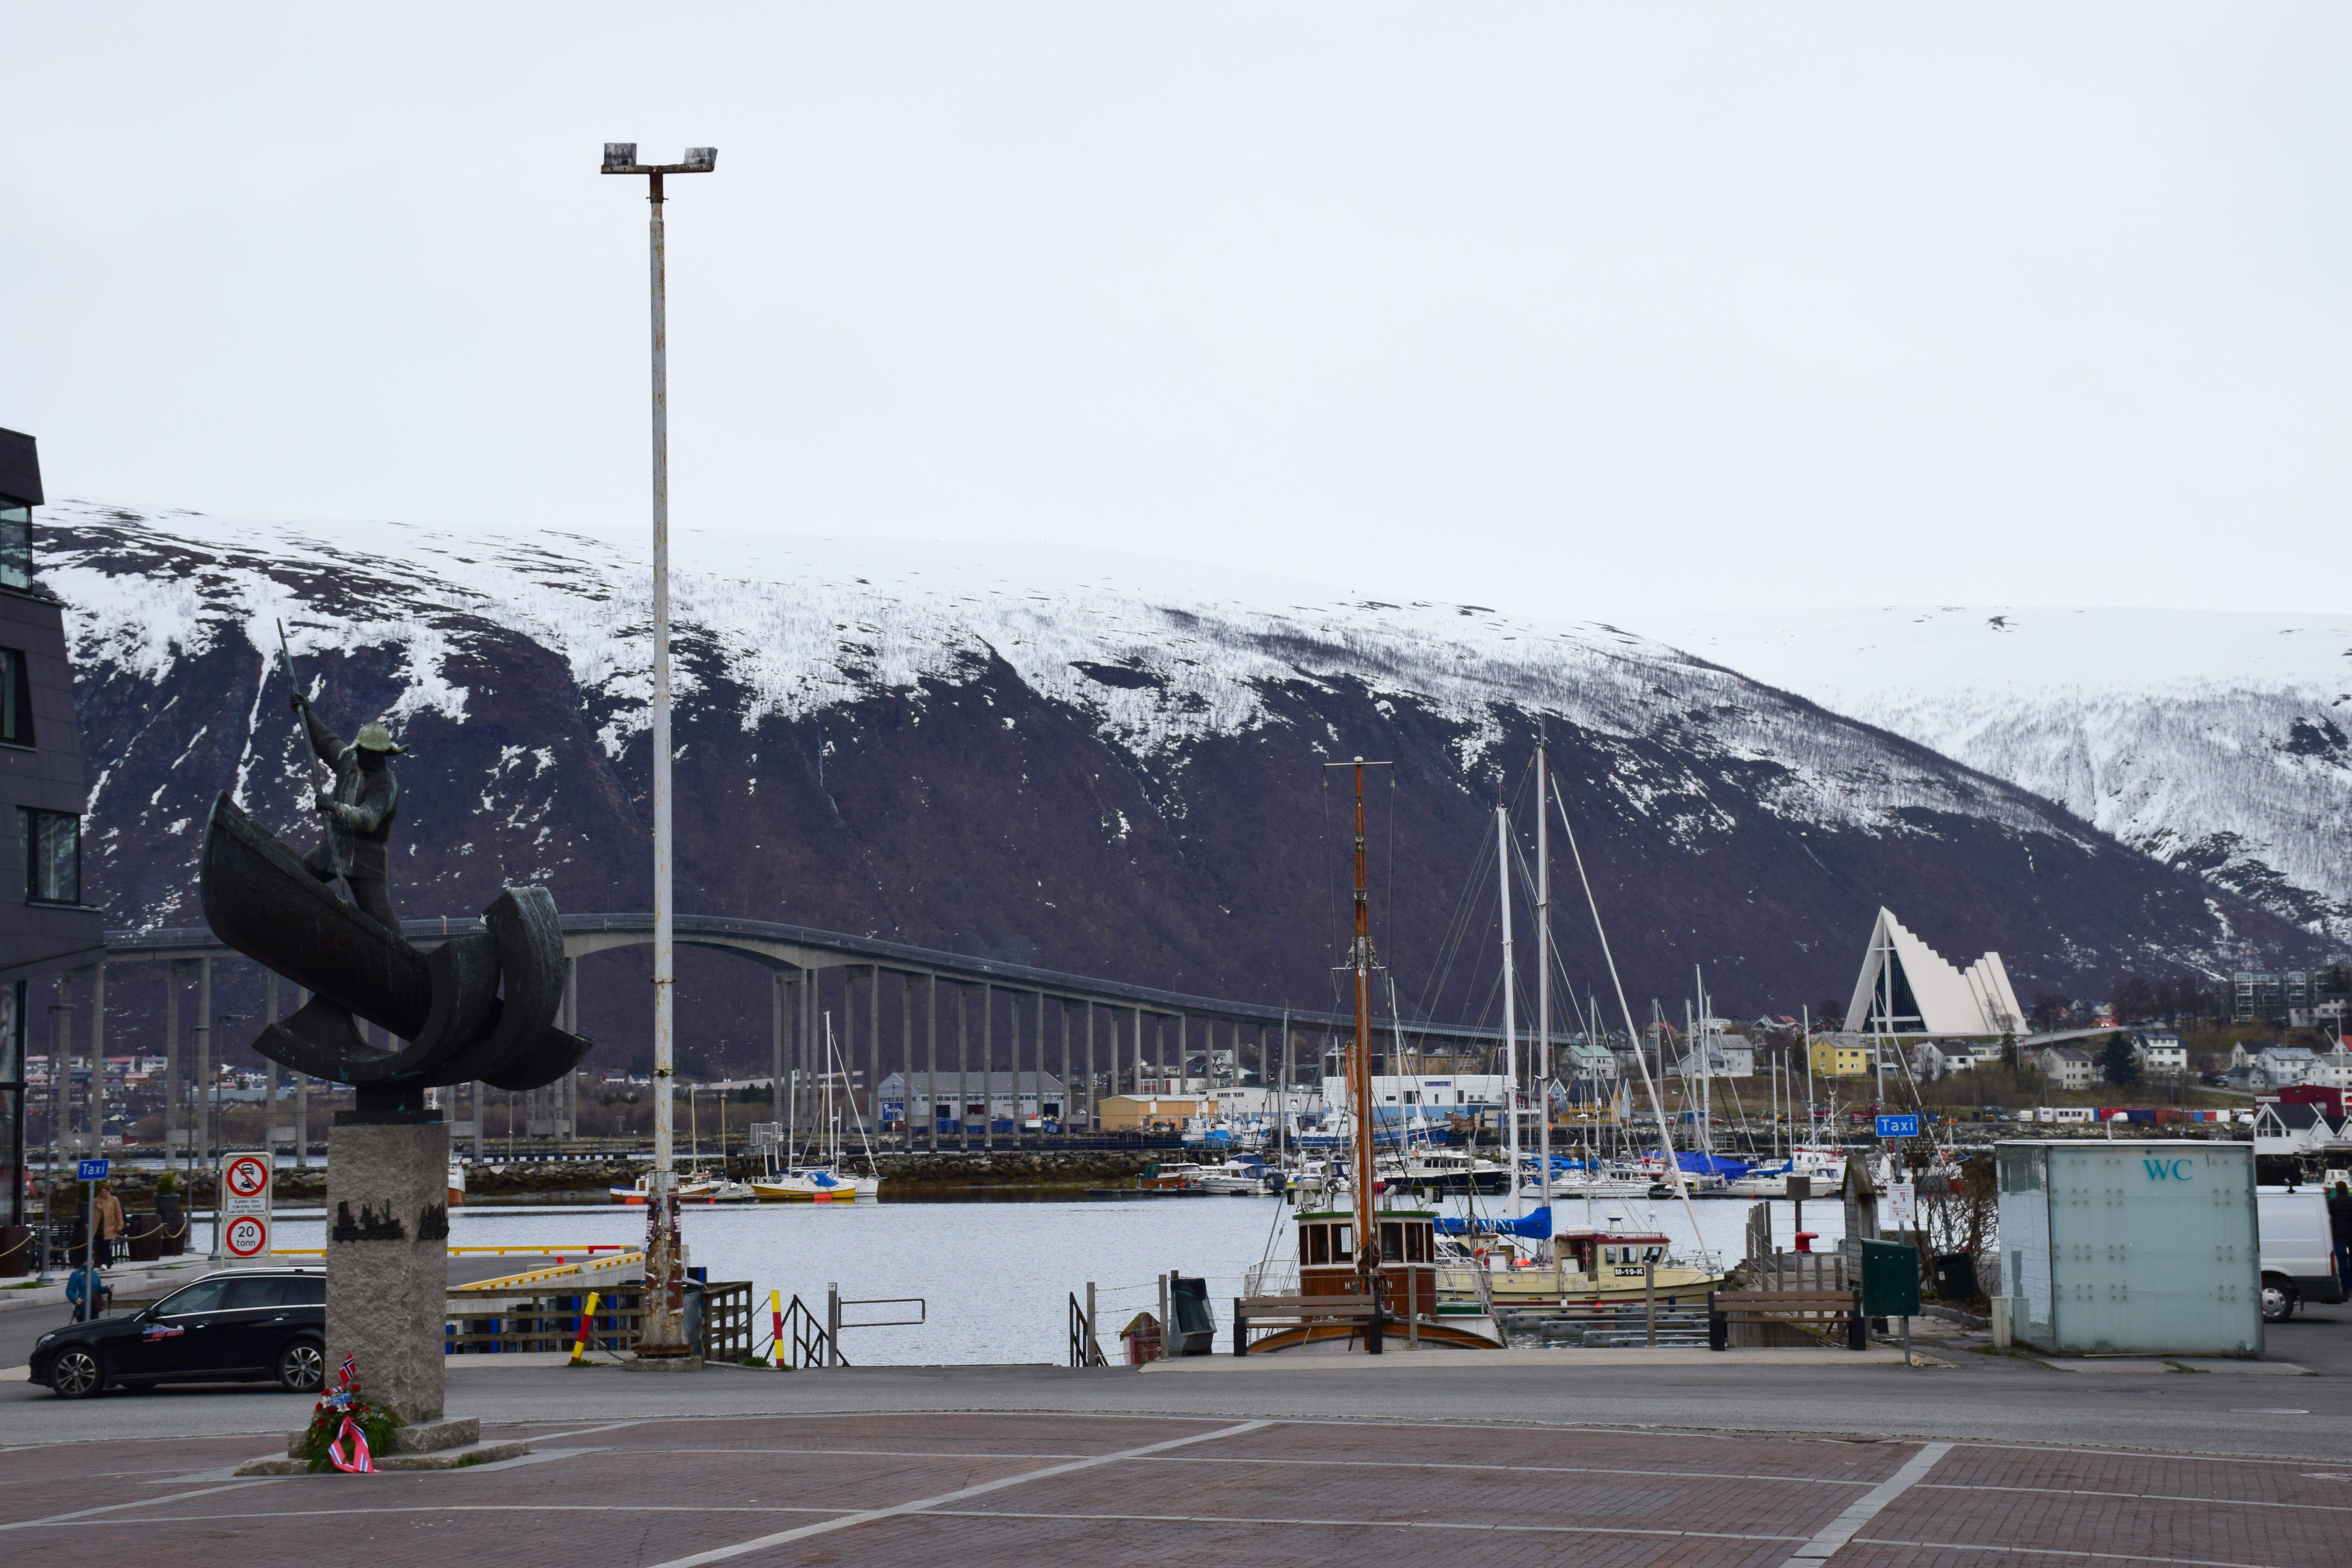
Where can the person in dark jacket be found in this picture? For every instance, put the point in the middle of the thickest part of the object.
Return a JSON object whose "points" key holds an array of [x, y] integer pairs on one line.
{"points": [[359, 810], [2340, 1229]]}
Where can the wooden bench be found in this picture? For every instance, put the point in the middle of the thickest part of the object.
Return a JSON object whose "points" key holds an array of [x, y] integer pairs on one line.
{"points": [[1824, 1310]]}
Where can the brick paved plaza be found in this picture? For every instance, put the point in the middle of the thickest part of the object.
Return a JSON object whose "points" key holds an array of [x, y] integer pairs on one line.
{"points": [[971, 1489]]}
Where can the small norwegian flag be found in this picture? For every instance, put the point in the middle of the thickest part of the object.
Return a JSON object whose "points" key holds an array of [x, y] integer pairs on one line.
{"points": [[351, 1370]]}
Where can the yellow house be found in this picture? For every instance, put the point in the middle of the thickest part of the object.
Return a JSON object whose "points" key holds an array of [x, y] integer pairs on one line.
{"points": [[1133, 1113], [1833, 1057]]}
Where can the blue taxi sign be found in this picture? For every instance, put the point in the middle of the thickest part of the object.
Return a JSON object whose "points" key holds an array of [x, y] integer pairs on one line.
{"points": [[1898, 1127], [91, 1171]]}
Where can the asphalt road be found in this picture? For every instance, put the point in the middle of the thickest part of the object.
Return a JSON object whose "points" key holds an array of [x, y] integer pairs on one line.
{"points": [[2256, 1409]]}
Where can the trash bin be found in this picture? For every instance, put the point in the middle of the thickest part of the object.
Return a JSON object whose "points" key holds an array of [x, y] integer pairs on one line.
{"points": [[1956, 1277], [1141, 1338], [142, 1234], [697, 1318]]}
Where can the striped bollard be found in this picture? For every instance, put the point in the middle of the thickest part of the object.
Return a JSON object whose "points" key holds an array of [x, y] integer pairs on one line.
{"points": [[587, 1325]]}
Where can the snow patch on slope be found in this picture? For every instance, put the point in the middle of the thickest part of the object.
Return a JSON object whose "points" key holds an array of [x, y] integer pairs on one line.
{"points": [[2214, 740], [1162, 654]]}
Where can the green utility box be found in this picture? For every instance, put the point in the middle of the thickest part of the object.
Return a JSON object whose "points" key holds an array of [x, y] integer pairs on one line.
{"points": [[1890, 1279]]}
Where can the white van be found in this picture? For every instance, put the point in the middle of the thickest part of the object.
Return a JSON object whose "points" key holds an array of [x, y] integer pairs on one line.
{"points": [[2298, 1251]]}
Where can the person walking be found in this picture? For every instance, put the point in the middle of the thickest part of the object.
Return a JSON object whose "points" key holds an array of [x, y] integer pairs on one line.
{"points": [[107, 1210], [2339, 1229]]}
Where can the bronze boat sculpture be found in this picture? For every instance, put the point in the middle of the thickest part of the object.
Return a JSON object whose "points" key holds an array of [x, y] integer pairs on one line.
{"points": [[477, 1006]]}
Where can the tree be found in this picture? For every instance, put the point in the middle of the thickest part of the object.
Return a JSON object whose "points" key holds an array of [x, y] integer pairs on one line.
{"points": [[2008, 1051], [2050, 1010], [2117, 1063]]}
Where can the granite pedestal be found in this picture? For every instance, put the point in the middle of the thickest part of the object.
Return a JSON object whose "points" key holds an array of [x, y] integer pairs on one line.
{"points": [[387, 1261]]}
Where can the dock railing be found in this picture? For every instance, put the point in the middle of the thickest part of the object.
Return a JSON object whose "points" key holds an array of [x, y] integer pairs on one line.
{"points": [[1085, 1343]]}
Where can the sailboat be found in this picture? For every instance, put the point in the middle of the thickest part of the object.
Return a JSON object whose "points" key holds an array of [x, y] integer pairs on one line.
{"points": [[822, 1180], [1370, 1269]]}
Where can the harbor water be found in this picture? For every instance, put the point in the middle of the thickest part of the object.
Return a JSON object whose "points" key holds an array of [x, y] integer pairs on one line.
{"points": [[996, 1277]]}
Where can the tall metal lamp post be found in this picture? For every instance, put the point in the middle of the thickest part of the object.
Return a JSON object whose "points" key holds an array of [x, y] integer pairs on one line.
{"points": [[661, 1335]]}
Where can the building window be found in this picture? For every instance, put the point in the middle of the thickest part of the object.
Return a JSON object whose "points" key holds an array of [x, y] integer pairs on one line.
{"points": [[16, 699], [50, 843], [15, 547]]}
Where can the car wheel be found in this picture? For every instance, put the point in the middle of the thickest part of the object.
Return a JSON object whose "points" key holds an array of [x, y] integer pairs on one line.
{"points": [[302, 1367], [77, 1374], [2278, 1302]]}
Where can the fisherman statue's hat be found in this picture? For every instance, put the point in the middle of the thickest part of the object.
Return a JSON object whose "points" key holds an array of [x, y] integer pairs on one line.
{"points": [[376, 738]]}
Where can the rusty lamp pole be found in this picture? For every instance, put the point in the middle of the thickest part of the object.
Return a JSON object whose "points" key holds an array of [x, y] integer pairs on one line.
{"points": [[661, 1337]]}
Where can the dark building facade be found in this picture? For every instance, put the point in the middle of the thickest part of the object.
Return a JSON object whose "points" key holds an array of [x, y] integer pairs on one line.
{"points": [[47, 930]]}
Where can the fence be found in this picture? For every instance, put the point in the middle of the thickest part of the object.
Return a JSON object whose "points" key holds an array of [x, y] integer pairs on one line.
{"points": [[536, 1318]]}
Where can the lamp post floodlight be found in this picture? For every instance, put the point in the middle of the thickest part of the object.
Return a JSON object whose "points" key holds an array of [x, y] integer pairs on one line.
{"points": [[661, 1335]]}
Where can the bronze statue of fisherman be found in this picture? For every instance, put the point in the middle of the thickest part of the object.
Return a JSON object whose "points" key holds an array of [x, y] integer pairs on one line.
{"points": [[359, 810]]}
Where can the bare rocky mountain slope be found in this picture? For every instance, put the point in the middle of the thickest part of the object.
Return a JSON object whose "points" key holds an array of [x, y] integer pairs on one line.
{"points": [[1100, 763]]}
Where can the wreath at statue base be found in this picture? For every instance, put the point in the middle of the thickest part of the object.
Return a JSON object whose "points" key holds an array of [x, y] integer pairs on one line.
{"points": [[347, 1430]]}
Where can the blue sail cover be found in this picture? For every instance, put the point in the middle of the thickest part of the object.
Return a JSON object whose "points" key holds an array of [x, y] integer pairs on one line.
{"points": [[1699, 1164], [1535, 1226]]}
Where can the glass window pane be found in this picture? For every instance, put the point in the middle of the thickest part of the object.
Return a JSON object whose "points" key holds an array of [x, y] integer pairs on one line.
{"points": [[15, 547], [203, 1296]]}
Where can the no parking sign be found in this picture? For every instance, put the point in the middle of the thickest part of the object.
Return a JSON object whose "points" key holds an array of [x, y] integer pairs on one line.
{"points": [[244, 1205]]}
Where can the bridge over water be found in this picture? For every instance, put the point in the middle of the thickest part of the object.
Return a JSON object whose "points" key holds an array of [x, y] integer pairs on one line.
{"points": [[938, 1010]]}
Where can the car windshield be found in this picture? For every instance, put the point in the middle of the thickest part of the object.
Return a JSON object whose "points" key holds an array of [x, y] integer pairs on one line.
{"points": [[203, 1296]]}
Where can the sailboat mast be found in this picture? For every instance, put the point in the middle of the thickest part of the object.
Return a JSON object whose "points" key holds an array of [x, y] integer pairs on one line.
{"points": [[1543, 981], [1360, 1060], [1511, 1013]]}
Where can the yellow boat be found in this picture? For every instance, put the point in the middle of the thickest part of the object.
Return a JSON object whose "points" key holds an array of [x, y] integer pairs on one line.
{"points": [[1590, 1267]]}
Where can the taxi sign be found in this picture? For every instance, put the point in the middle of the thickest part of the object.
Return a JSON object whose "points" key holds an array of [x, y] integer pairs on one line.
{"points": [[1906, 1126], [91, 1171]]}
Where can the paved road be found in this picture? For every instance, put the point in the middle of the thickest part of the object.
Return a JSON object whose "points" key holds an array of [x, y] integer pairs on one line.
{"points": [[1114, 1491]]}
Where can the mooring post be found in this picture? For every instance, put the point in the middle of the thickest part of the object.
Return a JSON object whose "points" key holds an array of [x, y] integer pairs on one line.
{"points": [[832, 1323], [1093, 1339], [1650, 1302], [1167, 1331]]}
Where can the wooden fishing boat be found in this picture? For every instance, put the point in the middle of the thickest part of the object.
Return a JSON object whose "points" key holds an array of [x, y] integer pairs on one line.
{"points": [[1369, 1271]]}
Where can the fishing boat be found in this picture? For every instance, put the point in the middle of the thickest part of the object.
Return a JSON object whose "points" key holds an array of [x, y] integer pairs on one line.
{"points": [[1368, 1270], [693, 1187], [821, 1178], [1507, 1263], [1238, 1178], [1426, 1169], [457, 1182]]}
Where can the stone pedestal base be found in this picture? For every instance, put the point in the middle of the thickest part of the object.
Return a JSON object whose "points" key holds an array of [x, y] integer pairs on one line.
{"points": [[663, 1363], [387, 1262]]}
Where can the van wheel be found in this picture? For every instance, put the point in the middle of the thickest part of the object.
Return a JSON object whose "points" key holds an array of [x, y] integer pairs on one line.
{"points": [[2278, 1301]]}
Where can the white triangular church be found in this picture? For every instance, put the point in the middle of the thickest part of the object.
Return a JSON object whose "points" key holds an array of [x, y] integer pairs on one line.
{"points": [[1907, 988]]}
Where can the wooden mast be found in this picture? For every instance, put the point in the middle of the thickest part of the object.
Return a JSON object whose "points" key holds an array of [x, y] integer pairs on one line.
{"points": [[1359, 1066]]}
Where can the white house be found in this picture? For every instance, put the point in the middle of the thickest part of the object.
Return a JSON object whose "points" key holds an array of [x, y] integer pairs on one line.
{"points": [[2068, 1066], [1907, 987], [2276, 1066], [1932, 1059], [2160, 1053]]}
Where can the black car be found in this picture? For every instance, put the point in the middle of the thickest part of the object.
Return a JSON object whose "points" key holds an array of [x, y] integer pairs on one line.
{"points": [[248, 1324]]}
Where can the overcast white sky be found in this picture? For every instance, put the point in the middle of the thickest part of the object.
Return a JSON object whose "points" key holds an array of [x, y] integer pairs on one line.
{"points": [[1577, 310]]}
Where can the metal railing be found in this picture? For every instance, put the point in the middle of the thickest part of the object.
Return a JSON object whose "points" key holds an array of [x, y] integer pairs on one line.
{"points": [[1086, 1345]]}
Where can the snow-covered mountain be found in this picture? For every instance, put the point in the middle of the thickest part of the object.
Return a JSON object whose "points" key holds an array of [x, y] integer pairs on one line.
{"points": [[1099, 763], [2214, 740]]}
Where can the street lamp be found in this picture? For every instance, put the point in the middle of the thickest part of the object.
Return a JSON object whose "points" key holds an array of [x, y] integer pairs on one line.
{"points": [[661, 1333]]}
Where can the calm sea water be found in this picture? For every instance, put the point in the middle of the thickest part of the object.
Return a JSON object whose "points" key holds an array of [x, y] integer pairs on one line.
{"points": [[996, 1277]]}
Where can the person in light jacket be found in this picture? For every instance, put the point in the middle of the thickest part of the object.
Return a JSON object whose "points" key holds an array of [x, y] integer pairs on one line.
{"points": [[107, 1210]]}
